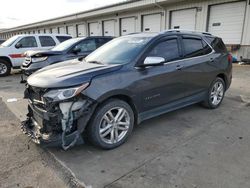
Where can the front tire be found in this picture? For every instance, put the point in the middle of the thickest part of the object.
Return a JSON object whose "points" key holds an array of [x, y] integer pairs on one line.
{"points": [[215, 94], [111, 124], [5, 68]]}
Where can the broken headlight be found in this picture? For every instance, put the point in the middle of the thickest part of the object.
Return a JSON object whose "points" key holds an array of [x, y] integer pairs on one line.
{"points": [[63, 94]]}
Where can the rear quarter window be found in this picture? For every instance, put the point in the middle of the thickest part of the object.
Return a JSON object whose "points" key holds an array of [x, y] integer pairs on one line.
{"points": [[46, 41], [217, 44]]}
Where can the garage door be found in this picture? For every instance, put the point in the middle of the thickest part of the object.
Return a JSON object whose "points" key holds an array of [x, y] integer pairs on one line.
{"points": [[72, 31], [54, 30], [109, 28], [62, 30], [183, 19], [48, 30], [81, 30], [226, 21], [94, 29], [128, 25], [151, 23]]}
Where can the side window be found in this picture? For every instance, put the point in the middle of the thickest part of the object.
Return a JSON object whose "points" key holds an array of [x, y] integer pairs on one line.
{"points": [[63, 38], [167, 49], [28, 42], [206, 48], [47, 41], [193, 47], [87, 45], [101, 41]]}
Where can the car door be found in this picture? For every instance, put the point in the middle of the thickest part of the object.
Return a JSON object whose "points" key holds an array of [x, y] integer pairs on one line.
{"points": [[22, 45], [83, 48], [162, 84], [196, 64]]}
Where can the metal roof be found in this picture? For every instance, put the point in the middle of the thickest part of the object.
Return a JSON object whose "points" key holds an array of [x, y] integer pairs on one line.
{"points": [[108, 9], [70, 15]]}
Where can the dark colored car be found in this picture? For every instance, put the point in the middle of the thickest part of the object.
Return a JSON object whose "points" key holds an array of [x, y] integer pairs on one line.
{"points": [[2, 41], [128, 80], [70, 49]]}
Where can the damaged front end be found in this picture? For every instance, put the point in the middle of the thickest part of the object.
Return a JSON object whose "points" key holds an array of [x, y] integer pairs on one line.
{"points": [[57, 117]]}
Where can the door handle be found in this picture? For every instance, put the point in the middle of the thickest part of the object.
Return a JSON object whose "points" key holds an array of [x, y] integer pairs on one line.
{"points": [[212, 60], [179, 67]]}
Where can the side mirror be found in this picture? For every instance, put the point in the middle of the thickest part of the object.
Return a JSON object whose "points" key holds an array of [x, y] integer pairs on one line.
{"points": [[153, 61], [18, 45], [76, 50]]}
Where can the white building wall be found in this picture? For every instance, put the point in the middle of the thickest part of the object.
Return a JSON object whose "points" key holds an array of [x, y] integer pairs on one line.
{"points": [[130, 9]]}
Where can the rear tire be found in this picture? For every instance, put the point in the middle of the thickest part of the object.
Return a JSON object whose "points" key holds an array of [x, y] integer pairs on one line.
{"points": [[111, 124], [215, 94], [5, 68]]}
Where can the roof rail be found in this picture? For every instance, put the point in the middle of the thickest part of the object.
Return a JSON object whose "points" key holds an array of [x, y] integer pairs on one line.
{"points": [[186, 31]]}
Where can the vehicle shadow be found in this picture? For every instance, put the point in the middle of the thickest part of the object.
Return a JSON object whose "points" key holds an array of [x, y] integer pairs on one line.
{"points": [[148, 140]]}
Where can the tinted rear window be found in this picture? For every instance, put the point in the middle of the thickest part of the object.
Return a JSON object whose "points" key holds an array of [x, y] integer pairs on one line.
{"points": [[46, 41], [217, 44], [63, 38], [102, 41], [192, 47]]}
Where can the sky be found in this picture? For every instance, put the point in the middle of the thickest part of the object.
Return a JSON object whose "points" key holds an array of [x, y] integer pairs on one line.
{"points": [[19, 12]]}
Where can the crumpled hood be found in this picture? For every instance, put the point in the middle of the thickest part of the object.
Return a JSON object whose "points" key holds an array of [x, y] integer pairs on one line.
{"points": [[33, 53], [68, 74]]}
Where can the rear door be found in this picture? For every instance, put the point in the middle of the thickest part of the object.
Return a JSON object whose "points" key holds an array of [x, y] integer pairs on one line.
{"points": [[197, 64], [165, 83]]}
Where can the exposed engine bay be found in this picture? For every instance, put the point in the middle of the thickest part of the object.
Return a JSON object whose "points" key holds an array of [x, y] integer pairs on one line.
{"points": [[54, 123]]}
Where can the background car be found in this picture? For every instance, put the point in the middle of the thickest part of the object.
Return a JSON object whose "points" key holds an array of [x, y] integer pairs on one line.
{"points": [[128, 80], [2, 41], [12, 51], [70, 49]]}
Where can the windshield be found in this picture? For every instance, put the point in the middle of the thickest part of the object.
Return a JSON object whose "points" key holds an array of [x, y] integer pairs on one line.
{"points": [[66, 44], [119, 51], [10, 41]]}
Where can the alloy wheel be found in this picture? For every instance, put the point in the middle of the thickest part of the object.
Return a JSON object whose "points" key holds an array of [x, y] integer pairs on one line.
{"points": [[114, 125], [3, 68], [217, 93]]}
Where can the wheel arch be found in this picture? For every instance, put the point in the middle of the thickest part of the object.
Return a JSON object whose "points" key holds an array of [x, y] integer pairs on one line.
{"points": [[6, 59], [124, 97], [224, 78]]}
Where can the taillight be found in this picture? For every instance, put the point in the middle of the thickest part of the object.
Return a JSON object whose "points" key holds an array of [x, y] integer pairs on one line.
{"points": [[230, 58]]}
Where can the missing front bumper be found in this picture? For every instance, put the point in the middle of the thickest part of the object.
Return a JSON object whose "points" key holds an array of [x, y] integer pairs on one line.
{"points": [[31, 129], [58, 128]]}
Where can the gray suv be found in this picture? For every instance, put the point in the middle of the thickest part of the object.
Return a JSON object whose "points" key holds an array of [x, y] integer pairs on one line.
{"points": [[68, 50], [126, 81]]}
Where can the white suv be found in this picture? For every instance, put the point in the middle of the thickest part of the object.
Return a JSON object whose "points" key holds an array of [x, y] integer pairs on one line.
{"points": [[12, 51]]}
